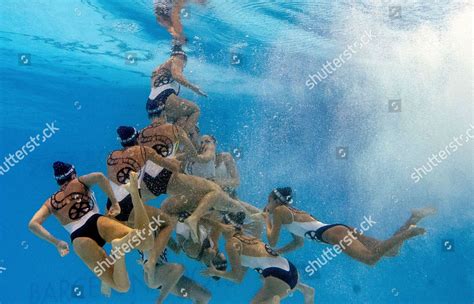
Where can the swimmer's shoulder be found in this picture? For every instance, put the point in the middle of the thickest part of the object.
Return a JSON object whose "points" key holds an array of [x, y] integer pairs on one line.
{"points": [[285, 214]]}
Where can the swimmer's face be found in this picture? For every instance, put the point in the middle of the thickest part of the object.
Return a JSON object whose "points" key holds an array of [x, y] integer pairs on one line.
{"points": [[272, 203], [206, 140]]}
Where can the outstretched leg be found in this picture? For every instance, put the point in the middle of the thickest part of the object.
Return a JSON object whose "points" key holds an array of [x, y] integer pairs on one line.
{"points": [[357, 250], [140, 216], [416, 216], [161, 237], [201, 195]]}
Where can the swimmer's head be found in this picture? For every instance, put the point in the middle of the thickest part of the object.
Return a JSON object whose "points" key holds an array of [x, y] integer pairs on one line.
{"points": [[207, 140], [128, 136], [278, 197], [220, 263], [63, 172], [155, 108], [235, 219], [177, 51]]}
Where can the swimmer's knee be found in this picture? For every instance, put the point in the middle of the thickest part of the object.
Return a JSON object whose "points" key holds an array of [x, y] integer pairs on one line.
{"points": [[178, 269], [371, 259]]}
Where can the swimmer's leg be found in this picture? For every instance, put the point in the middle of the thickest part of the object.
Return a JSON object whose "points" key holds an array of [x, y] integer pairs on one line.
{"points": [[307, 291], [176, 108], [416, 216], [201, 195], [161, 238], [140, 216], [166, 276], [189, 289], [176, 21], [356, 248], [110, 269], [273, 291]]}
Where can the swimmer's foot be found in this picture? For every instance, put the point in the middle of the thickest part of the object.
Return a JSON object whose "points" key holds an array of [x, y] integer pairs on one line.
{"points": [[192, 222], [418, 214], [132, 185], [105, 290], [150, 267], [413, 231]]}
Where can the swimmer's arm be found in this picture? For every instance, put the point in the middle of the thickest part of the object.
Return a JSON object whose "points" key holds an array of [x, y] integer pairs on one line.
{"points": [[273, 229], [296, 243], [188, 146], [237, 273], [36, 225], [232, 168], [177, 73], [207, 156], [99, 179]]}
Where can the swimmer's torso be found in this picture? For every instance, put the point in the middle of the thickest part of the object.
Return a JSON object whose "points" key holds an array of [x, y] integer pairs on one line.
{"points": [[120, 163], [72, 202], [205, 170], [303, 224], [162, 82], [163, 138], [257, 255]]}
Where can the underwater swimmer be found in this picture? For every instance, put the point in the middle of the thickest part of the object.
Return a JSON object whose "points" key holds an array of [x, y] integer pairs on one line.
{"points": [[165, 87], [160, 177], [169, 277], [300, 224], [168, 15], [280, 276], [75, 207], [219, 168]]}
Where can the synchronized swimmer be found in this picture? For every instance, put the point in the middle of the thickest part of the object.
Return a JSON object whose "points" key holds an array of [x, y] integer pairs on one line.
{"points": [[170, 157]]}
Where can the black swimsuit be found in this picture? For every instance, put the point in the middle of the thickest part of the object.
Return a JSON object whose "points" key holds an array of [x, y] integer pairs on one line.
{"points": [[163, 87]]}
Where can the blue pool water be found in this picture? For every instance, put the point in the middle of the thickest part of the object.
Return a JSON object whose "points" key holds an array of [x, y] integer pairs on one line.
{"points": [[65, 62]]}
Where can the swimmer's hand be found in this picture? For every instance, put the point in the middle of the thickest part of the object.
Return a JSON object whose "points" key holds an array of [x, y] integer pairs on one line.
{"points": [[198, 90], [63, 248], [114, 210]]}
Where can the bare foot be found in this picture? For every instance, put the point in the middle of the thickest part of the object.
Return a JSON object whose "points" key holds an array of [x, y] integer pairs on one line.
{"points": [[415, 231], [105, 290], [418, 214], [132, 185], [150, 267], [192, 222]]}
